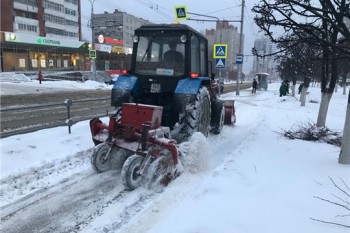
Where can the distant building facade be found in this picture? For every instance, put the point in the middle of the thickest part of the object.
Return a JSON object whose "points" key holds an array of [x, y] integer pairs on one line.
{"points": [[40, 35], [224, 33], [264, 46], [113, 33]]}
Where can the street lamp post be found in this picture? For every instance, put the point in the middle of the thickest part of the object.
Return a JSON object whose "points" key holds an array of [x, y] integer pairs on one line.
{"points": [[93, 60]]}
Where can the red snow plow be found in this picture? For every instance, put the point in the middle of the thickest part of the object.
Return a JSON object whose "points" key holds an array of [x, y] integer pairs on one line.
{"points": [[149, 145]]}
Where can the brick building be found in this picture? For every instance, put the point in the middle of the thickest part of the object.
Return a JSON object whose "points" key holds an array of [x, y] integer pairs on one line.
{"points": [[41, 35]]}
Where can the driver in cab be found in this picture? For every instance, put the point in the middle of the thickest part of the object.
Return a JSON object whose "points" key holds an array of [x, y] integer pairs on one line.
{"points": [[173, 56]]}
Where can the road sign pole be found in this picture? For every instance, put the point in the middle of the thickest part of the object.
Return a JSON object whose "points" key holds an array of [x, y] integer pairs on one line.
{"points": [[93, 61], [240, 49], [219, 82]]}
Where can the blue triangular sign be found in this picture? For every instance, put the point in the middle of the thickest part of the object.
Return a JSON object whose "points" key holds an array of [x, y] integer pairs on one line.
{"points": [[220, 63]]}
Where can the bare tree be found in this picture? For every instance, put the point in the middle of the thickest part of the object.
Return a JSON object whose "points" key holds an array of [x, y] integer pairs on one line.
{"points": [[314, 22], [299, 61]]}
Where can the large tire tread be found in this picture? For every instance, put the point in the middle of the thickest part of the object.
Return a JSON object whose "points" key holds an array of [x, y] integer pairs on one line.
{"points": [[192, 121]]}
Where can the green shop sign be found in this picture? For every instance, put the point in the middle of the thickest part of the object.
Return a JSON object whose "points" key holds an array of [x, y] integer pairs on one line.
{"points": [[32, 39], [41, 40]]}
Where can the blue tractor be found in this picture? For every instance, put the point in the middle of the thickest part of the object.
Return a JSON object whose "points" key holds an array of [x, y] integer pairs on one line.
{"points": [[167, 89], [181, 83]]}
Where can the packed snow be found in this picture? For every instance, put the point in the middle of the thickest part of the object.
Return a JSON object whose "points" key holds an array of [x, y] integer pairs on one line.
{"points": [[247, 179], [14, 84]]}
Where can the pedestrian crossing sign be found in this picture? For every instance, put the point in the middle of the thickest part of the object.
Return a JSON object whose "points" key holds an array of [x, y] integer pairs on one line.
{"points": [[220, 63], [92, 54], [181, 12], [220, 51]]}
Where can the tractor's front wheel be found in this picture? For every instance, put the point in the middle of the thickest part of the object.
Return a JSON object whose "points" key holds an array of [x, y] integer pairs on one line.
{"points": [[101, 158], [160, 172], [131, 177]]}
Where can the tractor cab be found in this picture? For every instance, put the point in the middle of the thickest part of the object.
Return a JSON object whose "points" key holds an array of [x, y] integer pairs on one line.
{"points": [[168, 53]]}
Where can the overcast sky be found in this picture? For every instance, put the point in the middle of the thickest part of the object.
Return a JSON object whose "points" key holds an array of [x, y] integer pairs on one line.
{"points": [[160, 11]]}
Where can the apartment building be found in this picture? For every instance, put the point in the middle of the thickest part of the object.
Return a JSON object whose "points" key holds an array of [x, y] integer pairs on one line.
{"points": [[224, 33], [112, 33], [41, 35], [266, 63]]}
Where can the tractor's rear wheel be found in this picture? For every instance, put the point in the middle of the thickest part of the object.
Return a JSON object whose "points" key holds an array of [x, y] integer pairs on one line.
{"points": [[196, 119], [131, 177], [101, 158]]}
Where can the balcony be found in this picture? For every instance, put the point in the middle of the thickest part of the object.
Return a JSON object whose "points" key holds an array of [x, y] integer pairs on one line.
{"points": [[21, 6]]}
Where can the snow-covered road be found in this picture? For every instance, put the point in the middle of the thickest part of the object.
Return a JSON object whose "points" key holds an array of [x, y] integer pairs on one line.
{"points": [[80, 200], [247, 172]]}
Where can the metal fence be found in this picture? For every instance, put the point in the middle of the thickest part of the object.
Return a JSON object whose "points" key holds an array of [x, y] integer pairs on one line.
{"points": [[68, 104]]}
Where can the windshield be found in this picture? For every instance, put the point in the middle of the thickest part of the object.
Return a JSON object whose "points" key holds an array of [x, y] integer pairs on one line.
{"points": [[160, 55]]}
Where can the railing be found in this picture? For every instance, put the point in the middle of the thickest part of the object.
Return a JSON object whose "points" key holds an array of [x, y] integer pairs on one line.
{"points": [[69, 121]]}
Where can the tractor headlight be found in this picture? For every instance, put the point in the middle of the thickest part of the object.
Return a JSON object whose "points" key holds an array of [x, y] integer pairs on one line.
{"points": [[183, 38], [135, 39]]}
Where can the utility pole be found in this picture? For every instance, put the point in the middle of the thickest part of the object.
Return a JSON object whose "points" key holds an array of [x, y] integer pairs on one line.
{"points": [[240, 49], [93, 60]]}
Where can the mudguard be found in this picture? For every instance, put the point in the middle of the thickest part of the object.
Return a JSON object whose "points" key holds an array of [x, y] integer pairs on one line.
{"points": [[187, 90], [123, 87], [216, 107]]}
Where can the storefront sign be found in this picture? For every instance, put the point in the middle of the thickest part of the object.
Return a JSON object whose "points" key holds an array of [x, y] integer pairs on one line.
{"points": [[101, 39], [109, 40], [45, 41], [117, 49], [30, 39], [103, 48]]}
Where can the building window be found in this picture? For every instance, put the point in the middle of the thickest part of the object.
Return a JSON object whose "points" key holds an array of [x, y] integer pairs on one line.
{"points": [[75, 2], [60, 32], [23, 14], [28, 2], [70, 12], [27, 27], [60, 20], [54, 6]]}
